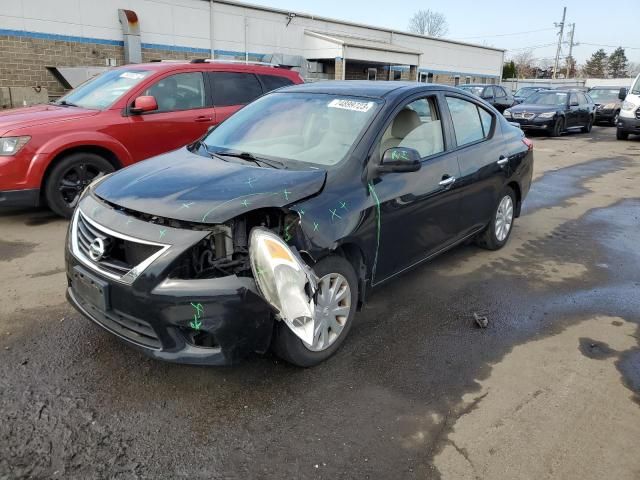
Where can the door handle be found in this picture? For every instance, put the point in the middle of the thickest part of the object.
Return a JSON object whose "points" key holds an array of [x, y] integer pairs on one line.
{"points": [[203, 118], [447, 180], [502, 160]]}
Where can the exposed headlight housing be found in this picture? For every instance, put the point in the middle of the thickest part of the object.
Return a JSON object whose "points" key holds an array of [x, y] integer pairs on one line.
{"points": [[11, 145], [627, 105], [285, 281], [507, 113], [547, 115]]}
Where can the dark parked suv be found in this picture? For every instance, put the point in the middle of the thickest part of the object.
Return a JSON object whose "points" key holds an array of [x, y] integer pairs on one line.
{"points": [[495, 95], [272, 229], [554, 111], [608, 102]]}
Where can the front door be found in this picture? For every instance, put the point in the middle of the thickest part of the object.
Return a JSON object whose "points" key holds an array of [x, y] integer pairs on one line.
{"points": [[419, 210], [183, 115]]}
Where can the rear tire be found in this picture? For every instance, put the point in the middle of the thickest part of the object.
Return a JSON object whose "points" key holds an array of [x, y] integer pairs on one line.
{"points": [[557, 128], [290, 348], [69, 177], [614, 120], [587, 128], [621, 135], [497, 233]]}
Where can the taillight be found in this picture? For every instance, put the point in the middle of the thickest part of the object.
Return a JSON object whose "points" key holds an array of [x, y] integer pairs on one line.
{"points": [[528, 143]]}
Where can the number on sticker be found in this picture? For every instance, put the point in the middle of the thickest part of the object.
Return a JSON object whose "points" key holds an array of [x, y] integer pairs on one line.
{"points": [[353, 105]]}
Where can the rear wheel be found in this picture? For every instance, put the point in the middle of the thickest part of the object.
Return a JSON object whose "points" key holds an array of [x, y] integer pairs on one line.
{"points": [[70, 177], [498, 231], [614, 120], [558, 127], [588, 126], [622, 135], [335, 308]]}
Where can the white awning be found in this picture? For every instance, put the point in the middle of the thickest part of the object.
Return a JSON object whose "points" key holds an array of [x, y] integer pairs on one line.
{"points": [[321, 45]]}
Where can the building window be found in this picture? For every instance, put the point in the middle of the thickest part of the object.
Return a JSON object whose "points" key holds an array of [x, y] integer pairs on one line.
{"points": [[397, 74], [467, 80], [430, 78], [456, 80], [372, 73]]}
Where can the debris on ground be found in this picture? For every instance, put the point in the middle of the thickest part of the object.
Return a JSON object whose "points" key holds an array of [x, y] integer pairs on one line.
{"points": [[481, 321]]}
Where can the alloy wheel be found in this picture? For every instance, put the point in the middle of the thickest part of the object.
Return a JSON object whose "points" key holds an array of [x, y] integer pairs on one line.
{"points": [[504, 218], [333, 306], [75, 180]]}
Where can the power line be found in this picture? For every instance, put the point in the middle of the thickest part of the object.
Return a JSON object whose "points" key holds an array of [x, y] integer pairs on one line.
{"points": [[507, 34], [532, 47], [609, 46]]}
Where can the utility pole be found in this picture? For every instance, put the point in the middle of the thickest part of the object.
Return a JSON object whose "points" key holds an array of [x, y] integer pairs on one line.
{"points": [[571, 45], [560, 38]]}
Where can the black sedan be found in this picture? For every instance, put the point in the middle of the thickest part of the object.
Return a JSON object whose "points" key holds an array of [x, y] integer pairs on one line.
{"points": [[494, 95], [554, 111], [608, 102], [272, 229]]}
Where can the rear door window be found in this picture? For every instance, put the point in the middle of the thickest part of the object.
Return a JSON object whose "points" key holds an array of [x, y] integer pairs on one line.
{"points": [[272, 82], [466, 121], [234, 88]]}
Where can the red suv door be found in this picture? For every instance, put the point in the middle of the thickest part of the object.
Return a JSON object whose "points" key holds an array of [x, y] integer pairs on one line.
{"points": [[184, 113]]}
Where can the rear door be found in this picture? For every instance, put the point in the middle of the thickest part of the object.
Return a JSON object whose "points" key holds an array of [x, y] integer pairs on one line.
{"points": [[231, 91], [479, 149], [183, 115], [419, 210], [574, 115]]}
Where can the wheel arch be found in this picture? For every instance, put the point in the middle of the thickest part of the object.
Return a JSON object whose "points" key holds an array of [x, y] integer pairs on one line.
{"points": [[515, 186], [355, 256]]}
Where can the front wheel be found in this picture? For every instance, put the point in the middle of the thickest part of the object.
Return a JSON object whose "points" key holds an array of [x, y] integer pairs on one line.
{"points": [[622, 135], [335, 308], [558, 127], [497, 233], [70, 177]]}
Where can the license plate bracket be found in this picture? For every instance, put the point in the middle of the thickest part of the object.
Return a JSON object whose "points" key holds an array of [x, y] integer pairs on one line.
{"points": [[91, 289]]}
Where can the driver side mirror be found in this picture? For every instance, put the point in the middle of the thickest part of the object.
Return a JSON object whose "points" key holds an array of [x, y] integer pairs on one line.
{"points": [[145, 103], [399, 160], [622, 94]]}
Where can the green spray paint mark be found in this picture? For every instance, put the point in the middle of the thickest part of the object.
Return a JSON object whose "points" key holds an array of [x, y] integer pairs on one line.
{"points": [[94, 210], [334, 214], [315, 226], [286, 194], [209, 212], [245, 203], [343, 205], [377, 200], [301, 212], [129, 220], [186, 205], [250, 181], [287, 235], [259, 271], [199, 311], [162, 232]]}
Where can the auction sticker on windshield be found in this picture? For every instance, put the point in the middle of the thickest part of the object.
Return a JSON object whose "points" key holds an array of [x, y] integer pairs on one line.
{"points": [[132, 75], [353, 105]]}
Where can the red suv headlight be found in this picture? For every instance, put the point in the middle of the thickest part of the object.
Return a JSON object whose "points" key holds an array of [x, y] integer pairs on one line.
{"points": [[11, 145]]}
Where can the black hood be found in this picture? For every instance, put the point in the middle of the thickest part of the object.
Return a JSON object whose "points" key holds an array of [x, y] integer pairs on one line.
{"points": [[189, 187], [528, 107]]}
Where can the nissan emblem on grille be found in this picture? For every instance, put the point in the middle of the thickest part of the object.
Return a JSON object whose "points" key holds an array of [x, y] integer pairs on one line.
{"points": [[97, 249]]}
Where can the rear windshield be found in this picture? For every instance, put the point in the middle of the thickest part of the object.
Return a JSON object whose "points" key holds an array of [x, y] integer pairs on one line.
{"points": [[102, 91], [601, 95], [477, 91], [548, 98]]}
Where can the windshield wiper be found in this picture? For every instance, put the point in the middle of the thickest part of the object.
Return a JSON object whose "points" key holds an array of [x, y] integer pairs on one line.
{"points": [[66, 103], [249, 157]]}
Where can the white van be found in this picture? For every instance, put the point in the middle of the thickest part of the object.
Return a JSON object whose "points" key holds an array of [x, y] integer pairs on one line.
{"points": [[629, 119]]}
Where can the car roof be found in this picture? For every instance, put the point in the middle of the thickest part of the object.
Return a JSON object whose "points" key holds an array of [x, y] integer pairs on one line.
{"points": [[168, 65], [364, 88], [476, 85], [607, 87]]}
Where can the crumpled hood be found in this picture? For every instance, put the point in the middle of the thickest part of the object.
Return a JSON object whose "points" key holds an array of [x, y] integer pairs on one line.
{"points": [[16, 118], [189, 187]]}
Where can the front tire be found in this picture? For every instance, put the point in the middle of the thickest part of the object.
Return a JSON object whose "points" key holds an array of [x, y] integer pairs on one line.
{"points": [[335, 306], [497, 233], [70, 177], [621, 135], [558, 127]]}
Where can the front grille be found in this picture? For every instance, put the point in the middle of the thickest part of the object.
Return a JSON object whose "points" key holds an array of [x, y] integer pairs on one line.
{"points": [[133, 329], [123, 258]]}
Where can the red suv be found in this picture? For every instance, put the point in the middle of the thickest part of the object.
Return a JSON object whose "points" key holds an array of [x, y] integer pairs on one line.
{"points": [[49, 153]]}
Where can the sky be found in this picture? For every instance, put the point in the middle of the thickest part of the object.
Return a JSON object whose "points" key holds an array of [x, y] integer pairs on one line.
{"points": [[598, 22]]}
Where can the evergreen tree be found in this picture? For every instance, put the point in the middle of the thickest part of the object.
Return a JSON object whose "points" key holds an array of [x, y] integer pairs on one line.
{"points": [[596, 66], [509, 70], [618, 63]]}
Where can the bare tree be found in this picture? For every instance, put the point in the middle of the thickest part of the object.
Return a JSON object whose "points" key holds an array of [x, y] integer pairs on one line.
{"points": [[428, 22], [524, 61]]}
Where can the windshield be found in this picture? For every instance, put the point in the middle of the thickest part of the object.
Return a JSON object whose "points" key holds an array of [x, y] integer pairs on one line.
{"points": [[525, 92], [317, 129], [548, 98], [636, 86], [601, 95], [101, 91], [472, 89]]}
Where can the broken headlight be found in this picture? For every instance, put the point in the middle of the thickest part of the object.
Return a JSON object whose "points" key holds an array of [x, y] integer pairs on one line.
{"points": [[285, 281]]}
